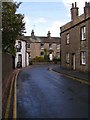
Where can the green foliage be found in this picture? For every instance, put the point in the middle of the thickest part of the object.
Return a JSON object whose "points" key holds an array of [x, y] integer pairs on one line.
{"points": [[39, 59], [46, 56], [58, 59], [45, 51], [13, 26], [55, 60]]}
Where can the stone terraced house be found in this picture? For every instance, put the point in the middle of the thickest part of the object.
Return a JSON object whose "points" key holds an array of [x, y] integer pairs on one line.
{"points": [[75, 39], [36, 46]]}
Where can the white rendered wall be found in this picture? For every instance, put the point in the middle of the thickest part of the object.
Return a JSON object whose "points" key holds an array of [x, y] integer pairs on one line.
{"points": [[23, 52], [27, 59]]}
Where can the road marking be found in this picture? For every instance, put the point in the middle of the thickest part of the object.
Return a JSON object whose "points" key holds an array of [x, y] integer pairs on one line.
{"points": [[13, 82], [15, 99], [9, 100]]}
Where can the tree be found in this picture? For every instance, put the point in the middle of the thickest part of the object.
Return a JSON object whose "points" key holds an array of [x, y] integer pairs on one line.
{"points": [[12, 24], [46, 56]]}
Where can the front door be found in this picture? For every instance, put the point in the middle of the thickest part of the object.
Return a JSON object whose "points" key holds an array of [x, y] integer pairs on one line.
{"points": [[73, 61], [20, 60], [50, 56]]}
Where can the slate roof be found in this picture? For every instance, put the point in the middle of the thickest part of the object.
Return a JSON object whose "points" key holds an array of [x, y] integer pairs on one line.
{"points": [[39, 39]]}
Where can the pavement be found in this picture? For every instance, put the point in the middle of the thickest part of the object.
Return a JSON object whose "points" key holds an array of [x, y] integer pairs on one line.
{"points": [[82, 77]]}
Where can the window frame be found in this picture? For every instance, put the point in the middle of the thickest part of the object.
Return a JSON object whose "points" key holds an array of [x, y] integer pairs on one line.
{"points": [[83, 57], [58, 54], [68, 58], [42, 45], [19, 57], [19, 46], [29, 55], [28, 45], [58, 46], [42, 54], [67, 38], [82, 32], [50, 46]]}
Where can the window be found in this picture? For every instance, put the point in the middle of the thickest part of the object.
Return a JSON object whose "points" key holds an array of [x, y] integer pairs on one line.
{"points": [[58, 54], [83, 57], [68, 39], [18, 47], [50, 46], [67, 58], [42, 53], [19, 44], [42, 46], [58, 46], [19, 57], [28, 45], [83, 33], [29, 54]]}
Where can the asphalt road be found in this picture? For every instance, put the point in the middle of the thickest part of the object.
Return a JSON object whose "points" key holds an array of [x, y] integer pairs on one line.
{"points": [[46, 94]]}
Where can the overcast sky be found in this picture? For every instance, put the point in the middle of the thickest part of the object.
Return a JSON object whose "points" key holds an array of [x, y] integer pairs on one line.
{"points": [[47, 15]]}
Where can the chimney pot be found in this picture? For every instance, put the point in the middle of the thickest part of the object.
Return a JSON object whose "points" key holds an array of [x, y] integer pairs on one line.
{"points": [[72, 5], [85, 4], [75, 4]]}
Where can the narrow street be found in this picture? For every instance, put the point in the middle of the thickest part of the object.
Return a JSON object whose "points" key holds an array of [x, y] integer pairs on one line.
{"points": [[46, 94]]}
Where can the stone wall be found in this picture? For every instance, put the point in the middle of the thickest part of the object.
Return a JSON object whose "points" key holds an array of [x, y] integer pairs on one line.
{"points": [[7, 69], [7, 64]]}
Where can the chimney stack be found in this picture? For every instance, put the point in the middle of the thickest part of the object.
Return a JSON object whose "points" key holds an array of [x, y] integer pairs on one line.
{"points": [[87, 9], [49, 34], [32, 33], [74, 11]]}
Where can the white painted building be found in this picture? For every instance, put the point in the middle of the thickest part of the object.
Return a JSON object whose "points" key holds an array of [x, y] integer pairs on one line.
{"points": [[21, 59]]}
